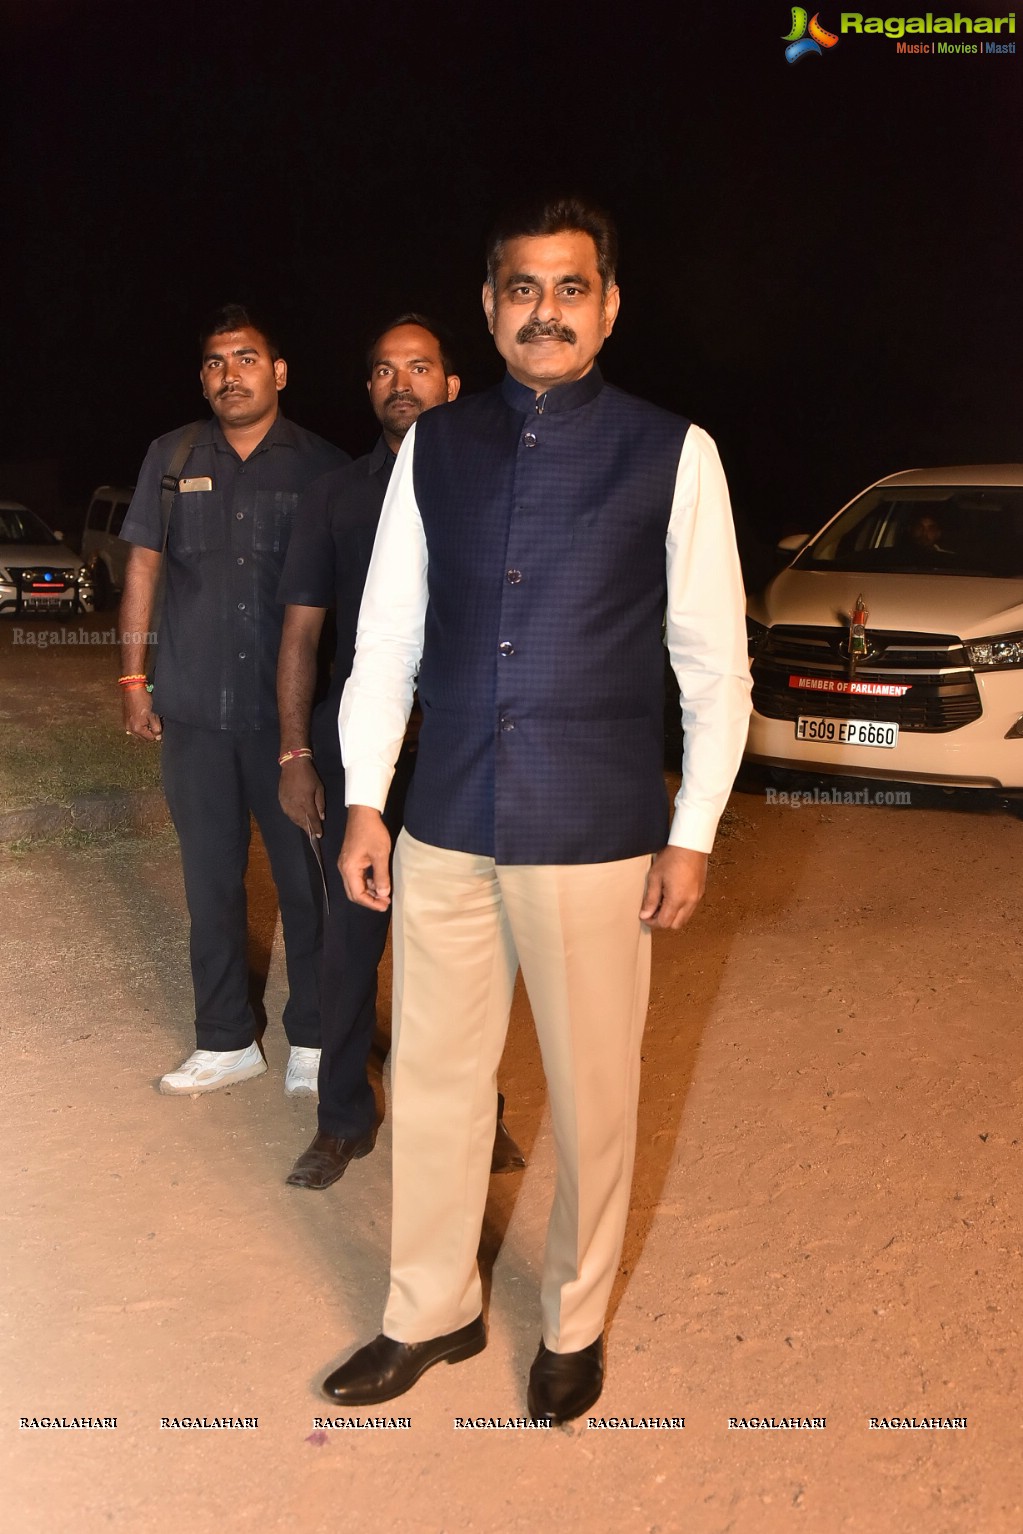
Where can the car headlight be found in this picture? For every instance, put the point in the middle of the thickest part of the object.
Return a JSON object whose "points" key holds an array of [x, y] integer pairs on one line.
{"points": [[997, 654]]}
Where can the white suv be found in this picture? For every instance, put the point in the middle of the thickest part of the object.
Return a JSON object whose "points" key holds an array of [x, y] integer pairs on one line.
{"points": [[892, 646], [38, 573]]}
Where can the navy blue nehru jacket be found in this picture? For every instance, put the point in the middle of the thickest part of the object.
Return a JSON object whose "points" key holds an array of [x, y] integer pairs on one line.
{"points": [[542, 671]]}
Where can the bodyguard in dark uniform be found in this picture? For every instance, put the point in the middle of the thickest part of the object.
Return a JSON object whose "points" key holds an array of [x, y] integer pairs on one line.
{"points": [[213, 701], [409, 372]]}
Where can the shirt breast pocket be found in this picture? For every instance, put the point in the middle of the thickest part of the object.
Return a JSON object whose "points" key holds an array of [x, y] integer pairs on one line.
{"points": [[274, 519], [197, 522]]}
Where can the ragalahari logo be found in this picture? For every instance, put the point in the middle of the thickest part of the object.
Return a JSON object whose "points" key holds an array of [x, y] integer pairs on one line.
{"points": [[799, 43]]}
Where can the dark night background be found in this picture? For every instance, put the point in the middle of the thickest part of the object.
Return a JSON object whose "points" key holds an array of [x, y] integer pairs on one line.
{"points": [[820, 261]]}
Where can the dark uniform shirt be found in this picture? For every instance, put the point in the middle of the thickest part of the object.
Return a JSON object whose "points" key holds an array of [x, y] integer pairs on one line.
{"points": [[328, 558], [221, 626]]}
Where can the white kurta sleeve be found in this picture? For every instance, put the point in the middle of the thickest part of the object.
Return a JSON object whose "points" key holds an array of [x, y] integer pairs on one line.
{"points": [[706, 636], [377, 699]]}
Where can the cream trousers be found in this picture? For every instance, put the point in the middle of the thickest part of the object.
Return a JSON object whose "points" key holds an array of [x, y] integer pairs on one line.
{"points": [[463, 926]]}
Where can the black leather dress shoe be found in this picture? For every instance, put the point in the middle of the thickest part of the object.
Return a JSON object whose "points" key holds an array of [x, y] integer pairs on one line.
{"points": [[384, 1368], [564, 1385], [326, 1159], [505, 1156]]}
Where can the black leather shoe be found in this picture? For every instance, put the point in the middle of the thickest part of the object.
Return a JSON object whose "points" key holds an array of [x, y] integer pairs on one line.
{"points": [[505, 1156], [326, 1159], [384, 1368], [564, 1385]]}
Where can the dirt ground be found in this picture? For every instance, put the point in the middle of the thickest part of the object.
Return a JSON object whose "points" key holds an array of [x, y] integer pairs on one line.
{"points": [[825, 1220]]}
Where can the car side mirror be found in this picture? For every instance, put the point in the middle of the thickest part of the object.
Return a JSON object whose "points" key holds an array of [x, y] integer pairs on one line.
{"points": [[793, 543]]}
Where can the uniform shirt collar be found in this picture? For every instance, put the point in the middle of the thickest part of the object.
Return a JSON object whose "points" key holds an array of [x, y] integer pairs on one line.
{"points": [[281, 434], [380, 458], [568, 396]]}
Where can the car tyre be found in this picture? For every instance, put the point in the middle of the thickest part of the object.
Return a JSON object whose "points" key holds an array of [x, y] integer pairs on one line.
{"points": [[102, 588]]}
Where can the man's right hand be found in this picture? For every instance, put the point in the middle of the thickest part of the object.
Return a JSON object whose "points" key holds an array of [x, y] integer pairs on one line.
{"points": [[141, 576], [301, 794], [365, 861], [139, 718]]}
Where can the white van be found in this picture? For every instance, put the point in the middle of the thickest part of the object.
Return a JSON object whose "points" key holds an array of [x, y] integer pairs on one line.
{"points": [[104, 551]]}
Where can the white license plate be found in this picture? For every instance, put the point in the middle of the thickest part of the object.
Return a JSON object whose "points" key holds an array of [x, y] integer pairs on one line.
{"points": [[847, 732]]}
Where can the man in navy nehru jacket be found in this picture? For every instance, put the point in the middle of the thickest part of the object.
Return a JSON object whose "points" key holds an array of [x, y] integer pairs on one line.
{"points": [[236, 480], [532, 541]]}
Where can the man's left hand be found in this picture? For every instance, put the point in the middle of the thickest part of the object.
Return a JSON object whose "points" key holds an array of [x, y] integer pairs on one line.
{"points": [[301, 795], [674, 887]]}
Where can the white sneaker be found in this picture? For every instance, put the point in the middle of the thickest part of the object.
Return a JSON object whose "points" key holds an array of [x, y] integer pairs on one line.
{"points": [[303, 1069], [207, 1069]]}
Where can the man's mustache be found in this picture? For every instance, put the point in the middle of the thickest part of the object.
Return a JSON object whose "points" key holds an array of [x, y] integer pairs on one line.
{"points": [[534, 330], [402, 397], [233, 389]]}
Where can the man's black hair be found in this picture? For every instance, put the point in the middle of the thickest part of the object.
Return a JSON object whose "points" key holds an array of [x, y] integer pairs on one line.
{"points": [[553, 216], [236, 317], [439, 333]]}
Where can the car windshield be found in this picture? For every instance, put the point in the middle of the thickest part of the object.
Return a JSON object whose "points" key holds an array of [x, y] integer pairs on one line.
{"points": [[925, 529], [19, 525]]}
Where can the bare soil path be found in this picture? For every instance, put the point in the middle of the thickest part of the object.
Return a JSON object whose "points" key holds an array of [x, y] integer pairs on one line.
{"points": [[826, 1221]]}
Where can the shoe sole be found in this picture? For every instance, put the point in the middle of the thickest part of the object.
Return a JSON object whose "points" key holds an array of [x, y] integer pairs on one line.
{"points": [[318, 1187], [301, 1091], [458, 1354], [194, 1090]]}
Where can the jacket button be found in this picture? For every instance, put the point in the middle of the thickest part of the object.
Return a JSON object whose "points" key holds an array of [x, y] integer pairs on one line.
{"points": [[529, 439], [505, 648], [513, 577], [507, 725]]}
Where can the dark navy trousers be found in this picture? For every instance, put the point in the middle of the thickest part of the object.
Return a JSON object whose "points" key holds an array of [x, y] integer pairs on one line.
{"points": [[213, 779], [353, 945]]}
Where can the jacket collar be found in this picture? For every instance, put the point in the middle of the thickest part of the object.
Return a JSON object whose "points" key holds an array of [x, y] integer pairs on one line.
{"points": [[568, 396]]}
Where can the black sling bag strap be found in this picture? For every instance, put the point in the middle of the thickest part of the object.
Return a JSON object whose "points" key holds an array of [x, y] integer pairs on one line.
{"points": [[168, 489], [169, 482]]}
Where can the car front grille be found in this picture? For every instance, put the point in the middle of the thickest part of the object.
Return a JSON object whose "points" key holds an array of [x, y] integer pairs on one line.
{"points": [[42, 588], [942, 691], [42, 581]]}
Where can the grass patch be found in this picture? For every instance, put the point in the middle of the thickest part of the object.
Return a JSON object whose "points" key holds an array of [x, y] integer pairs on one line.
{"points": [[95, 842], [61, 732], [54, 763]]}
